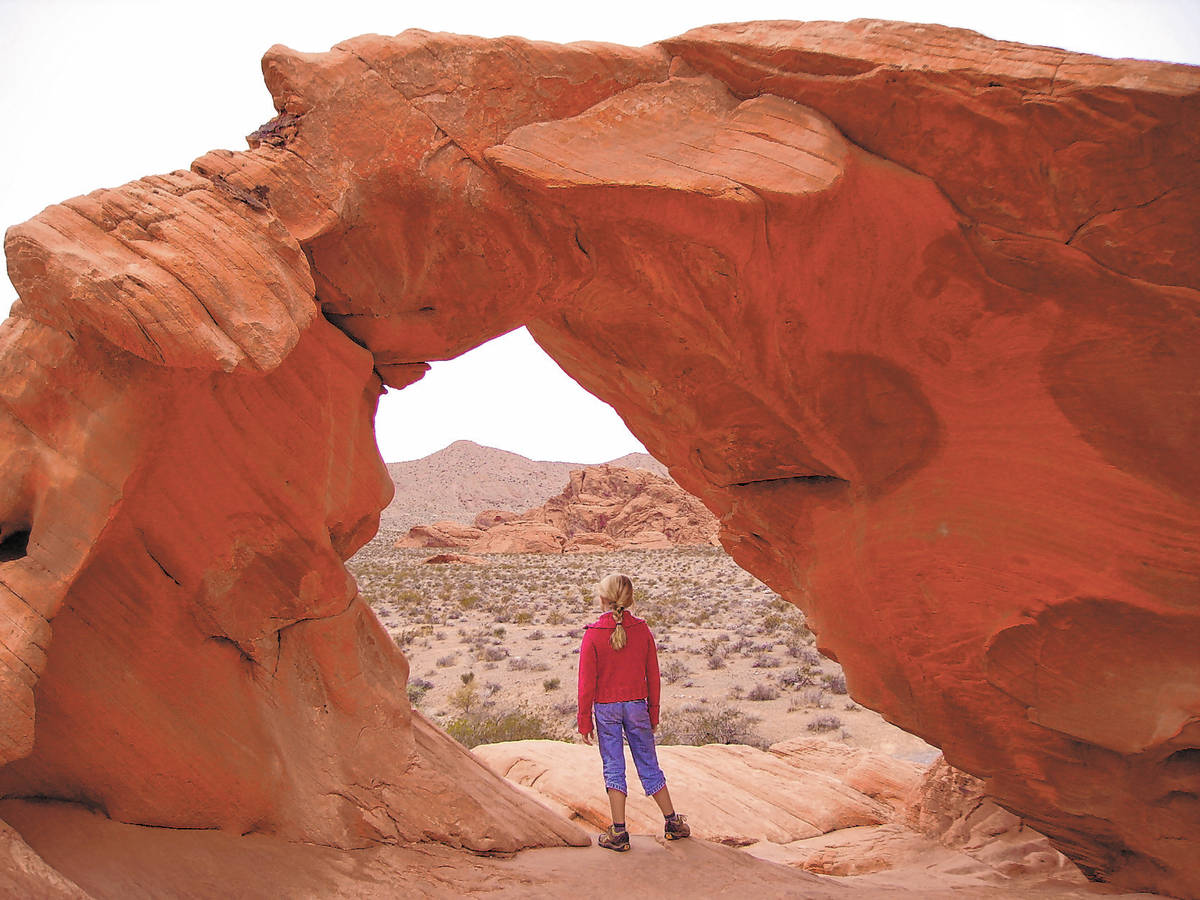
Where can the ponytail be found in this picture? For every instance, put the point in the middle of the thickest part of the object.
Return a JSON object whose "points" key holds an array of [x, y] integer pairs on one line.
{"points": [[616, 591]]}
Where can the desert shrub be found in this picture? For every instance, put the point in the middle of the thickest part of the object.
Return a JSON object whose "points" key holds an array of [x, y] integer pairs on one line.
{"points": [[469, 601], [766, 662], [825, 723], [713, 645], [537, 635], [763, 692], [554, 617], [417, 688], [495, 654], [851, 706], [566, 708], [795, 679], [697, 724], [835, 682], [473, 729], [518, 663], [499, 631], [466, 698], [716, 661], [447, 660], [493, 687], [674, 671], [806, 655], [551, 684], [523, 618], [736, 692], [403, 638], [772, 621], [467, 677], [817, 697]]}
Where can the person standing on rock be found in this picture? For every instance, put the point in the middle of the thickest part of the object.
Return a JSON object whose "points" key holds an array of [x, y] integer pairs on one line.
{"points": [[618, 679]]}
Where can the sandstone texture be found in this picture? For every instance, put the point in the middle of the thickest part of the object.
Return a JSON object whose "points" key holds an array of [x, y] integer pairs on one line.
{"points": [[733, 794], [440, 534], [814, 805], [911, 311], [602, 508]]}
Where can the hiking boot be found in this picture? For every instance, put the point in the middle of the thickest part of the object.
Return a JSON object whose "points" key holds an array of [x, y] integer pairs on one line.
{"points": [[676, 828], [615, 840]]}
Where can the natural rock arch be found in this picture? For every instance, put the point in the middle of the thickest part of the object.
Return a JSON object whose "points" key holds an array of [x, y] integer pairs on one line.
{"points": [[912, 311]]}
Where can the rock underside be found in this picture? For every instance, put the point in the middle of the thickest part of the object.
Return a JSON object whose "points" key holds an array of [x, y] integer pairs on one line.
{"points": [[911, 311]]}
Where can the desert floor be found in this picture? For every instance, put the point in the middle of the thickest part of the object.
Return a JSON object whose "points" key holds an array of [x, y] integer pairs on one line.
{"points": [[738, 663]]}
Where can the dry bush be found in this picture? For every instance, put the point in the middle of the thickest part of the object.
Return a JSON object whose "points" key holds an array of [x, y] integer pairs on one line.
{"points": [[417, 688], [698, 724], [763, 692], [835, 682], [474, 729], [825, 723], [674, 671], [818, 697]]}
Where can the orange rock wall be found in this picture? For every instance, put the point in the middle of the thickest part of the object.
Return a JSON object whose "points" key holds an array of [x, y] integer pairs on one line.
{"points": [[912, 311]]}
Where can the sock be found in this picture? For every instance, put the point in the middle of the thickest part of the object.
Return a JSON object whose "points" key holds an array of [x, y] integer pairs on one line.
{"points": [[618, 826]]}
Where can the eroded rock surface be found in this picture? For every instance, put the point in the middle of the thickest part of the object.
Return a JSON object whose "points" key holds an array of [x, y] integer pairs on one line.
{"points": [[913, 312], [602, 508]]}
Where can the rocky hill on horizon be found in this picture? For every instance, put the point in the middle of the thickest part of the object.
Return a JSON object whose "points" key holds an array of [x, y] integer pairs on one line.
{"points": [[465, 478], [602, 508]]}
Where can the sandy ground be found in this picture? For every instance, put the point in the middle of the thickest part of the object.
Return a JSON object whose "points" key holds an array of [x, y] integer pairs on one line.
{"points": [[729, 648]]}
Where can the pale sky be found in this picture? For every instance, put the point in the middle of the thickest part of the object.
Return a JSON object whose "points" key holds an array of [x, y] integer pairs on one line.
{"points": [[94, 93]]}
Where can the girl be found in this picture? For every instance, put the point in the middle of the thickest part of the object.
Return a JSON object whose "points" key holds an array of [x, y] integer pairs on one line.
{"points": [[618, 675]]}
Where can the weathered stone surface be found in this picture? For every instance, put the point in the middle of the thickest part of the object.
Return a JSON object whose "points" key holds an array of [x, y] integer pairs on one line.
{"points": [[913, 312], [440, 534], [25, 874], [812, 804], [466, 558], [590, 542], [733, 794], [489, 517], [625, 504], [520, 536]]}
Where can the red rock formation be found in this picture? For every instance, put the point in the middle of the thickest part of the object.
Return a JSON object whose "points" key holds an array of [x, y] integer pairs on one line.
{"points": [[443, 558], [521, 537], [626, 504], [490, 517], [440, 534], [912, 311], [602, 508]]}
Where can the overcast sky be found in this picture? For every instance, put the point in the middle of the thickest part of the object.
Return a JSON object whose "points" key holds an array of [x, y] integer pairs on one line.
{"points": [[94, 93]]}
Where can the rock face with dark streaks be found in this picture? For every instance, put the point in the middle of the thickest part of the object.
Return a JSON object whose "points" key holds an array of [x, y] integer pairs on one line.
{"points": [[913, 312]]}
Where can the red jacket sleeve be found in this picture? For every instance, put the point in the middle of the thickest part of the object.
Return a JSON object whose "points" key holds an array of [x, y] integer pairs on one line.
{"points": [[587, 682], [653, 684]]}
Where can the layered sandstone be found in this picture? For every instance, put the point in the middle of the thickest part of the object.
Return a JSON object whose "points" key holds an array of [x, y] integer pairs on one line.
{"points": [[815, 805], [602, 508], [911, 311]]}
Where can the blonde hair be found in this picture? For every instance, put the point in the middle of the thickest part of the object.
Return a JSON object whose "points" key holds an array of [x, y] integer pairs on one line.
{"points": [[616, 591]]}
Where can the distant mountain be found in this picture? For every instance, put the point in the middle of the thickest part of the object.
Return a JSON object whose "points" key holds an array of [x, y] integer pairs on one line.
{"points": [[466, 478]]}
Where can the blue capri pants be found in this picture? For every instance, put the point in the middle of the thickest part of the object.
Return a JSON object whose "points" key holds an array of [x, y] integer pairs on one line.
{"points": [[627, 720]]}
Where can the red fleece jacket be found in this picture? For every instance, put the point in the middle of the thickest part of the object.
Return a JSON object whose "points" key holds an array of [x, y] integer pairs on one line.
{"points": [[607, 675]]}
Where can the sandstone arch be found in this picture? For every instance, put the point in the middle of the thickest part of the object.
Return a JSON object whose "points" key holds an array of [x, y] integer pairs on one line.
{"points": [[912, 311]]}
